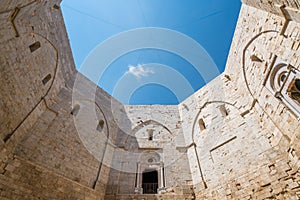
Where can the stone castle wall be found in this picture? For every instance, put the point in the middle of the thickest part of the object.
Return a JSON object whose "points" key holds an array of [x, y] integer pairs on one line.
{"points": [[247, 149], [166, 147], [42, 154], [236, 138]]}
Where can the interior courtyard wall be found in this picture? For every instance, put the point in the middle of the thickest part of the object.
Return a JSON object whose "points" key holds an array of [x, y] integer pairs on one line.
{"points": [[235, 138], [42, 153], [256, 128], [165, 125]]}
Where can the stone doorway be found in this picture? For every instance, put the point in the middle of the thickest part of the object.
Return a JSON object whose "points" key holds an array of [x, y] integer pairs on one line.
{"points": [[150, 174], [150, 182]]}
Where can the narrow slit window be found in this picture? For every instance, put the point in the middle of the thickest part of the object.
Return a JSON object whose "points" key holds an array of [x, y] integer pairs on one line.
{"points": [[46, 79], [150, 136], [223, 110], [100, 125], [202, 125], [75, 110], [35, 46]]}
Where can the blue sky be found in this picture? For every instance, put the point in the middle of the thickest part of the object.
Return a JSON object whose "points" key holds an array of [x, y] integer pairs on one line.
{"points": [[151, 75]]}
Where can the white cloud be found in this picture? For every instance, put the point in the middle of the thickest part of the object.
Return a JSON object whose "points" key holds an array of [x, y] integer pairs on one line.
{"points": [[139, 71]]}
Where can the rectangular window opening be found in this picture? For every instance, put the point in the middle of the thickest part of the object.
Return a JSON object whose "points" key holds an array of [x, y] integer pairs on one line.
{"points": [[223, 110], [150, 138], [35, 46], [46, 79], [202, 125]]}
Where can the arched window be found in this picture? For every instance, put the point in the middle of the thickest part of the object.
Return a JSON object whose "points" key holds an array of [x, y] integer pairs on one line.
{"points": [[223, 110], [201, 124], [150, 134], [100, 125]]}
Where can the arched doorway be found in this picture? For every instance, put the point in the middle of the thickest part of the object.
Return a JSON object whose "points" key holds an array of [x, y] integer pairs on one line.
{"points": [[150, 182], [150, 174]]}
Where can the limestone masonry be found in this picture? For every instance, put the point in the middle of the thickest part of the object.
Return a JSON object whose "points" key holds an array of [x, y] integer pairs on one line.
{"points": [[236, 138]]}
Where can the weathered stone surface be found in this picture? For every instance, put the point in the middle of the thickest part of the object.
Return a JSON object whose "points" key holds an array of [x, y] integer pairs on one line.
{"points": [[236, 138]]}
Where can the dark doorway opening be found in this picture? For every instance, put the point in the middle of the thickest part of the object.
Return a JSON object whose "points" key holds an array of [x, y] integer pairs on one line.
{"points": [[150, 182]]}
